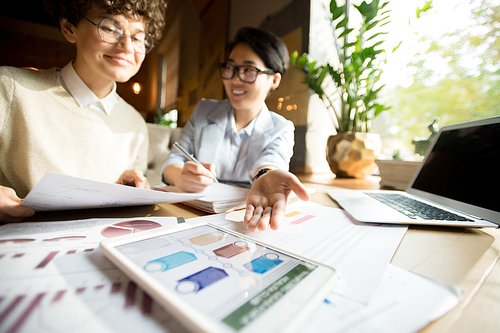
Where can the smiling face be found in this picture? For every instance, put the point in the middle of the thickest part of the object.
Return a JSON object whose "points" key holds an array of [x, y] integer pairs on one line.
{"points": [[99, 63], [248, 97]]}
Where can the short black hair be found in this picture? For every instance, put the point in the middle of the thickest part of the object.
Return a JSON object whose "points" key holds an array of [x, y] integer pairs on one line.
{"points": [[269, 47]]}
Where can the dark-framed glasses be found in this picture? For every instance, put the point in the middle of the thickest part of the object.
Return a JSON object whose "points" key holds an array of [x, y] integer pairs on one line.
{"points": [[111, 31], [246, 73]]}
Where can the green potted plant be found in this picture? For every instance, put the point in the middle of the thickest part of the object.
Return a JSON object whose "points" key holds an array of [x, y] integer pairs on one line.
{"points": [[350, 89]]}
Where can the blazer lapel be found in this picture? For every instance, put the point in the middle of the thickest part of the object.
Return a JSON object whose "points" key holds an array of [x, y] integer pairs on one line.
{"points": [[261, 133], [213, 133]]}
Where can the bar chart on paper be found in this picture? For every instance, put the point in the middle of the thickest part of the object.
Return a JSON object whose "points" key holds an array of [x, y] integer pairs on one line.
{"points": [[60, 307], [128, 227], [59, 281]]}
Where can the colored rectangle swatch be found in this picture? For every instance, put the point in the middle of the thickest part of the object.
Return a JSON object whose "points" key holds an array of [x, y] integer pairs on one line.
{"points": [[130, 296], [292, 214], [302, 219], [59, 295], [47, 259], [115, 288]]}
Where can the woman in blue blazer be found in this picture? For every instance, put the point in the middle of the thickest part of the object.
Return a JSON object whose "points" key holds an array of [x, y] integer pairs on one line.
{"points": [[238, 139]]}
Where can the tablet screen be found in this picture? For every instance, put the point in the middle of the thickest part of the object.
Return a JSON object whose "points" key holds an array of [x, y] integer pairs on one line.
{"points": [[230, 279]]}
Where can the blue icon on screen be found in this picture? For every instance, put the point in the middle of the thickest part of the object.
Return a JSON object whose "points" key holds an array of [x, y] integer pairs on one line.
{"points": [[169, 262], [264, 263]]}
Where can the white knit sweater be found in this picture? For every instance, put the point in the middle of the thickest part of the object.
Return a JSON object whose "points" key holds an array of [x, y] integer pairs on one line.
{"points": [[42, 128]]}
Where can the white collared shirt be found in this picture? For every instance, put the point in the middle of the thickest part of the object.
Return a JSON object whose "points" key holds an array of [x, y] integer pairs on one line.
{"points": [[74, 85], [234, 150]]}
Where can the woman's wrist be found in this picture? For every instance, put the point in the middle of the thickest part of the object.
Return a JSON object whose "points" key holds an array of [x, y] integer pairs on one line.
{"points": [[260, 173]]}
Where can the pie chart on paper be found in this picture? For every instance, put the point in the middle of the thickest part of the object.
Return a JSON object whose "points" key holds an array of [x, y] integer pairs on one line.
{"points": [[128, 227]]}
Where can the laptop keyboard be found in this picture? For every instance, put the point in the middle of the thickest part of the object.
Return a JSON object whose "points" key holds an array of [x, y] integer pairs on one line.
{"points": [[414, 208]]}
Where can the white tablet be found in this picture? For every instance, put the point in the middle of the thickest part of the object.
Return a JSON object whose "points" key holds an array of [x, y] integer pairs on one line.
{"points": [[216, 280]]}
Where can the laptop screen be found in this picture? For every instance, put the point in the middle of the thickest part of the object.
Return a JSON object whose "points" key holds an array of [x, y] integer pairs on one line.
{"points": [[464, 165]]}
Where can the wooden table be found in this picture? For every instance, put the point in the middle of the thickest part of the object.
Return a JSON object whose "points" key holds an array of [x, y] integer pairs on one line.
{"points": [[467, 258]]}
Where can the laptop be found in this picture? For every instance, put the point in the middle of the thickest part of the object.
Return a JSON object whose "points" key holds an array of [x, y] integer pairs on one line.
{"points": [[457, 184]]}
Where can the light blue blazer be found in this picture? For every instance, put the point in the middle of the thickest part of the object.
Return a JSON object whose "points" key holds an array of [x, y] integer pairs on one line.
{"points": [[271, 142]]}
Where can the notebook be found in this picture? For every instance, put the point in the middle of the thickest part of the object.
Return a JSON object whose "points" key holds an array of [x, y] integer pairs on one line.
{"points": [[460, 176]]}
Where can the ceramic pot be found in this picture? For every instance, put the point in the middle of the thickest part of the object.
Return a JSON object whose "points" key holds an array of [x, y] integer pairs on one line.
{"points": [[352, 155], [395, 173]]}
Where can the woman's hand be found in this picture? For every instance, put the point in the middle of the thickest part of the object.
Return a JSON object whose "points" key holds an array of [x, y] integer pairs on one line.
{"points": [[11, 209], [194, 177], [266, 202], [134, 178]]}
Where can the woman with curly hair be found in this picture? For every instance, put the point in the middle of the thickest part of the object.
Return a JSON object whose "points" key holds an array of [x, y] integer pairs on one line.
{"points": [[70, 120]]}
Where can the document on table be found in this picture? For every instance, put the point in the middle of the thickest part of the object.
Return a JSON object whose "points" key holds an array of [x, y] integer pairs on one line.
{"points": [[59, 192], [403, 302], [360, 252], [55, 279]]}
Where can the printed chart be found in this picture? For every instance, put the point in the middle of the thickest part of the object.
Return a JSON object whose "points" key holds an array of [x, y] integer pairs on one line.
{"points": [[55, 279], [128, 227], [64, 308]]}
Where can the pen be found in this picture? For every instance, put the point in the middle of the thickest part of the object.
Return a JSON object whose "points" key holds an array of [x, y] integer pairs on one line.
{"points": [[189, 156]]}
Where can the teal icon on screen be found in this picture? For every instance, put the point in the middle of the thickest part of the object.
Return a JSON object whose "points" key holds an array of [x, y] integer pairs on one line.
{"points": [[169, 262], [264, 263], [200, 280]]}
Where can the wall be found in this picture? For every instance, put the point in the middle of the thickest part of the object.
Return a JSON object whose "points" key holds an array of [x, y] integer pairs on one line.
{"points": [[320, 122], [203, 38], [28, 44]]}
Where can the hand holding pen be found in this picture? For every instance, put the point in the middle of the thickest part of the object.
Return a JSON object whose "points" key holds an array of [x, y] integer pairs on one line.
{"points": [[192, 177]]}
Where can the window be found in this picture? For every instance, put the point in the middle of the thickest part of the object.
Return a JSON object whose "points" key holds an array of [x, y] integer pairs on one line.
{"points": [[448, 66]]}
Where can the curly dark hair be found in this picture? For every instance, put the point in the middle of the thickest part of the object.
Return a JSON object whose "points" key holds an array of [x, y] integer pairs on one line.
{"points": [[151, 11]]}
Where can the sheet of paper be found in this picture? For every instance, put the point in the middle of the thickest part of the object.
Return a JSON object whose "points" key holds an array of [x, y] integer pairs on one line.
{"points": [[360, 252], [403, 302], [55, 279], [60, 192]]}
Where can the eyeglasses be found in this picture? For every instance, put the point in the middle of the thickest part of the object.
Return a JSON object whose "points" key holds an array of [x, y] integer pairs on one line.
{"points": [[246, 73], [111, 31]]}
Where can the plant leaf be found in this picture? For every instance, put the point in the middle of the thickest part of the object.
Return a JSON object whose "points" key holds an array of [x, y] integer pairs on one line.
{"points": [[338, 13], [342, 23], [302, 60], [376, 35], [372, 25], [293, 57], [397, 47], [345, 33], [426, 7]]}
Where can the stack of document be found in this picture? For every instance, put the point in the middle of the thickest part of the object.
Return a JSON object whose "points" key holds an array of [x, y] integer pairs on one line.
{"points": [[216, 198]]}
